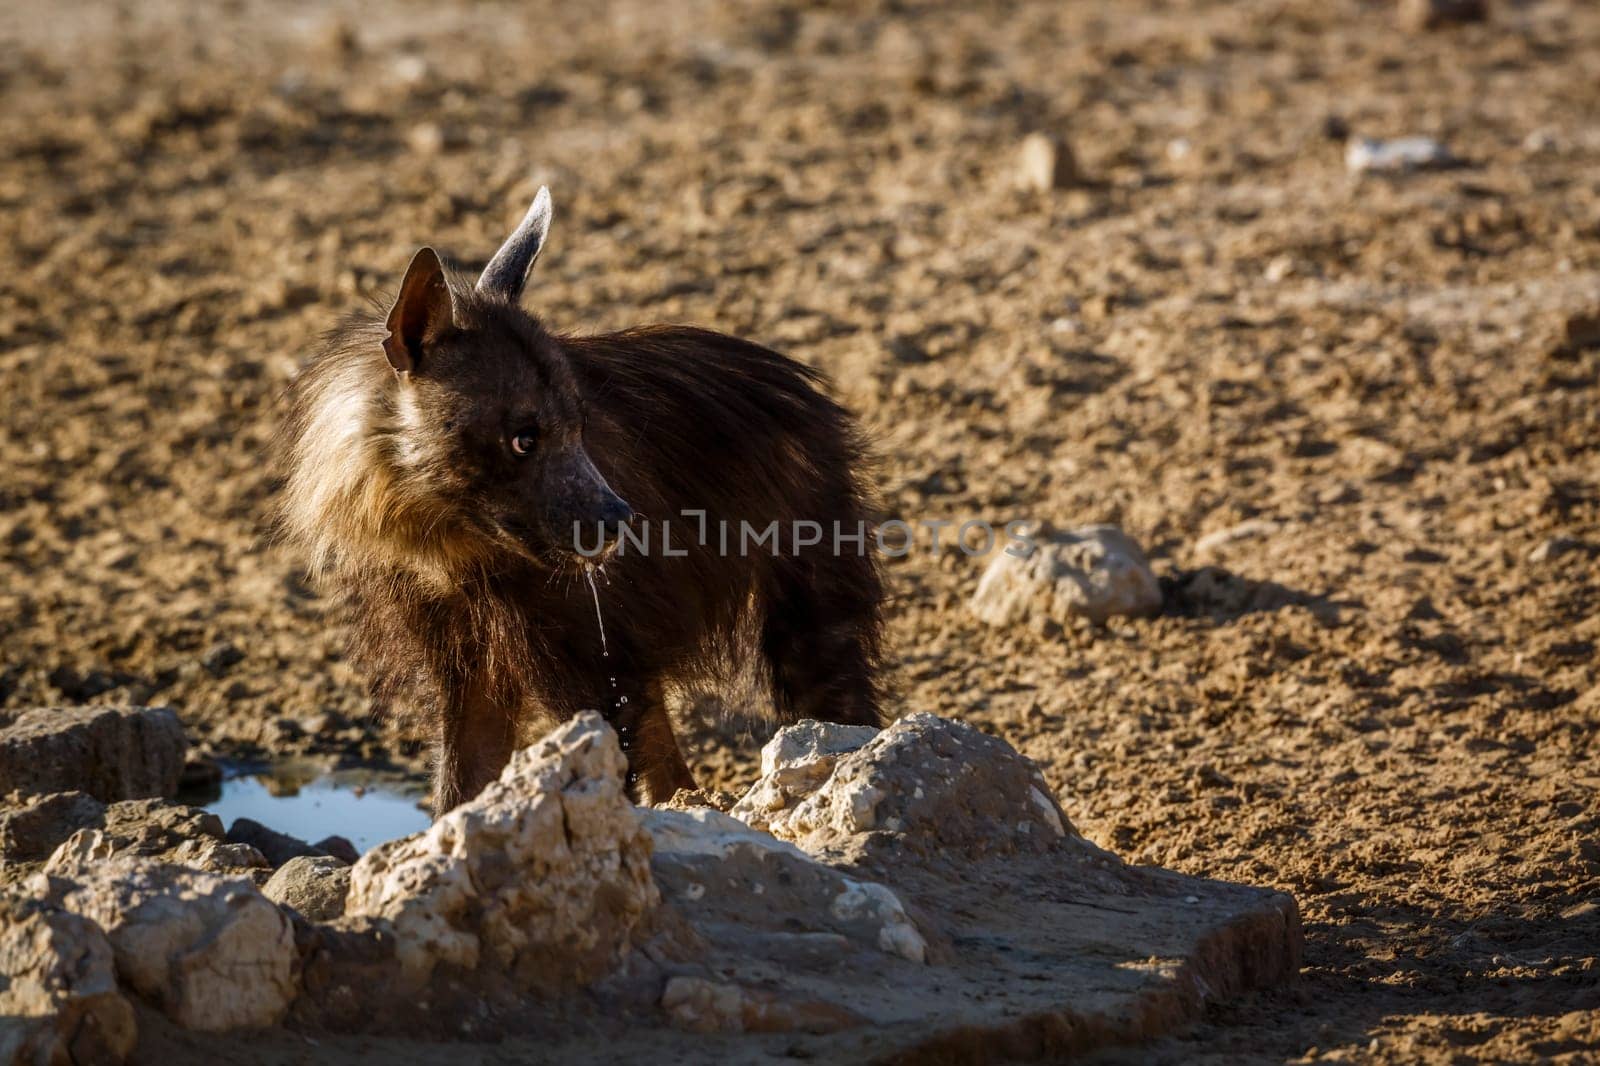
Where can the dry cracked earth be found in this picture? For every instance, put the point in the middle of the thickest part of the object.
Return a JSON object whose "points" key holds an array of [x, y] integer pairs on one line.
{"points": [[1355, 421]]}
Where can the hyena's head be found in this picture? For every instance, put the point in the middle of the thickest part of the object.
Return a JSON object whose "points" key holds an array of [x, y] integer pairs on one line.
{"points": [[488, 408], [470, 443]]}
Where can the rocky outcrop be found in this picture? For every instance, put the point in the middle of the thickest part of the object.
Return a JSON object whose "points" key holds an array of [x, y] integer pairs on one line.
{"points": [[925, 785], [794, 764], [81, 833], [719, 870], [907, 893], [67, 833], [544, 876], [210, 952], [1095, 572], [111, 753]]}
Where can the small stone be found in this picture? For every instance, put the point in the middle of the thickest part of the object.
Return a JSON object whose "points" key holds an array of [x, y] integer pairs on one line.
{"points": [[410, 69], [1553, 548], [1541, 142], [339, 848], [219, 858], [1251, 529], [152, 829], [223, 654], [1095, 572], [1366, 155], [149, 826], [795, 763], [1436, 14], [80, 853], [314, 725], [1582, 330], [690, 799], [278, 847], [314, 885], [337, 39], [1045, 162], [427, 139]]}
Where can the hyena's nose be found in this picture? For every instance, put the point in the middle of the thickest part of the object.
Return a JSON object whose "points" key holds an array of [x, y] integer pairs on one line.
{"points": [[613, 514]]}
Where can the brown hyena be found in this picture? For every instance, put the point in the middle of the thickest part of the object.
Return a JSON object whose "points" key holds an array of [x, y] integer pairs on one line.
{"points": [[445, 466]]}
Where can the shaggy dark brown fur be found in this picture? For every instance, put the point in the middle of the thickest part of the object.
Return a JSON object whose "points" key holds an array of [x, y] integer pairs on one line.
{"points": [[438, 488]]}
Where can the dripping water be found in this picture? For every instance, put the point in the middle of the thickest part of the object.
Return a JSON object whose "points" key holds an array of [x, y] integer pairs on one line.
{"points": [[617, 701], [588, 575]]}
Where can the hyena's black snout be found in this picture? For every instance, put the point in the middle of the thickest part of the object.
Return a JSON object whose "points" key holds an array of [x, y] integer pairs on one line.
{"points": [[613, 514], [587, 509]]}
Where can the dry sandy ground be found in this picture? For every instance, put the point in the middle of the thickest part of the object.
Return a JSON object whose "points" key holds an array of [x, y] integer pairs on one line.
{"points": [[1381, 695]]}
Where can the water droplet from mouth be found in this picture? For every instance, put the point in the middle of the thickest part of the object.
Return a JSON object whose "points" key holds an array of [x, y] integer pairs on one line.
{"points": [[588, 575], [599, 621]]}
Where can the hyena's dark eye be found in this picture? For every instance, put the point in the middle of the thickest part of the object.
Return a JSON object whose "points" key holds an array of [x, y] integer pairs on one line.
{"points": [[523, 440]]}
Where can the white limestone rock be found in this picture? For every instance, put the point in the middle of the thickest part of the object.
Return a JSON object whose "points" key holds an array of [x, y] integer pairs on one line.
{"points": [[1094, 572], [59, 1001], [545, 875], [210, 951]]}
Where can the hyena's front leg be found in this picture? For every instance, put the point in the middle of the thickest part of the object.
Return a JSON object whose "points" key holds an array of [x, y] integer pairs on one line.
{"points": [[473, 741]]}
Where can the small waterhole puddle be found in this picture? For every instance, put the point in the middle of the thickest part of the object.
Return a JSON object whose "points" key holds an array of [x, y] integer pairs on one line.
{"points": [[311, 803]]}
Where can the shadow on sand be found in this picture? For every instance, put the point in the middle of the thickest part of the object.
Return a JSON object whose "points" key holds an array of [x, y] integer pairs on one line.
{"points": [[1221, 595]]}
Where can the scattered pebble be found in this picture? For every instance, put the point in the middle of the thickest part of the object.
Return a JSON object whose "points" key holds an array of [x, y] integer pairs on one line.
{"points": [[427, 138], [1046, 162], [1366, 155], [1553, 548], [1582, 330], [1437, 14], [1247, 530], [1541, 142], [220, 656], [410, 69], [337, 38]]}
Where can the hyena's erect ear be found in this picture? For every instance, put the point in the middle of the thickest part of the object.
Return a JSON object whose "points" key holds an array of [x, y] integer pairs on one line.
{"points": [[507, 272], [421, 312]]}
